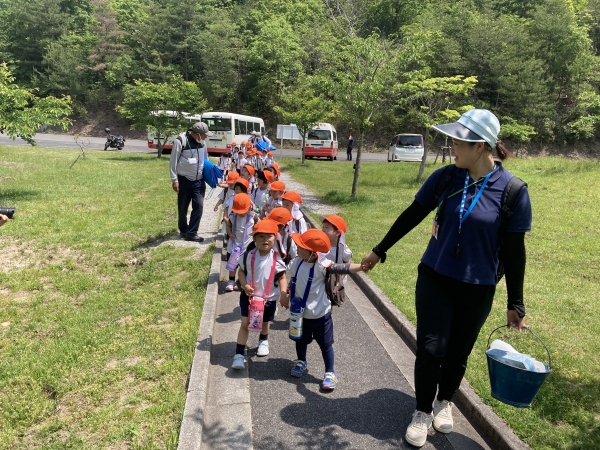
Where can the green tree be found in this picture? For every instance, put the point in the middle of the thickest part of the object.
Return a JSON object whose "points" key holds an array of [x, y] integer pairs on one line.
{"points": [[363, 77], [22, 112], [305, 107], [168, 101], [436, 100]]}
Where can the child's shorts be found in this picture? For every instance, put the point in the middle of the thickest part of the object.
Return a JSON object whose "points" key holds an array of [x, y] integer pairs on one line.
{"points": [[270, 307], [321, 330]]}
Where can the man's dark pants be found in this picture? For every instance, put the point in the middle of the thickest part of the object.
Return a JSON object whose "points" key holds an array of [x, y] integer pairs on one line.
{"points": [[190, 191], [349, 154]]}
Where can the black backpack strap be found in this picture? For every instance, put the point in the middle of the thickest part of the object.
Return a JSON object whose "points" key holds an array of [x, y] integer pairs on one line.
{"points": [[180, 139], [297, 222], [509, 197], [444, 181]]}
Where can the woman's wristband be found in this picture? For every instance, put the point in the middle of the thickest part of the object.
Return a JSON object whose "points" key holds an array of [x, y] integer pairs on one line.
{"points": [[382, 255]]}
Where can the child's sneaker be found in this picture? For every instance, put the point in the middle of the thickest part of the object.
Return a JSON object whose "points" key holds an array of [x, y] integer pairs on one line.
{"points": [[330, 380], [299, 369], [416, 433], [238, 362], [230, 286], [442, 416], [263, 348]]}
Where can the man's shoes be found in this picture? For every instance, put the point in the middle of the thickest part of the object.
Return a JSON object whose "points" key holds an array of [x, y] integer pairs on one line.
{"points": [[442, 416], [194, 238], [416, 433]]}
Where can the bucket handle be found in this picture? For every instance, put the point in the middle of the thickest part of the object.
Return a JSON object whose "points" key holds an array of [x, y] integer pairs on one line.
{"points": [[535, 335]]}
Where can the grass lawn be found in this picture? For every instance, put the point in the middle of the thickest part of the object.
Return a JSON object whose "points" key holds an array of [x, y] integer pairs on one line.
{"points": [[97, 323], [562, 285]]}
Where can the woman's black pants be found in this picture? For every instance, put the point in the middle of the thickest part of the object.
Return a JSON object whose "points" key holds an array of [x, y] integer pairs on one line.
{"points": [[450, 314]]}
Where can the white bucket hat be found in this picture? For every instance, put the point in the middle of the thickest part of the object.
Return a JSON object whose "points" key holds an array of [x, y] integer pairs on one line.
{"points": [[476, 125]]}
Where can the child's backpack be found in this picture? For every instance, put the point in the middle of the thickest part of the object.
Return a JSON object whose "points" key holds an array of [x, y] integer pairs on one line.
{"points": [[334, 285], [509, 197]]}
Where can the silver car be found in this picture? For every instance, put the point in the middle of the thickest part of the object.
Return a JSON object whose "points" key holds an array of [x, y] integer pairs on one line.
{"points": [[406, 147]]}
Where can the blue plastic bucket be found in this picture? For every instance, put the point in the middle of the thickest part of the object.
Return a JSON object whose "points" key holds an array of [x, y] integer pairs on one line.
{"points": [[511, 385]]}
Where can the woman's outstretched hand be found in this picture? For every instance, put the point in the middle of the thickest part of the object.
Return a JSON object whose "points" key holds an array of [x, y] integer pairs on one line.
{"points": [[369, 262]]}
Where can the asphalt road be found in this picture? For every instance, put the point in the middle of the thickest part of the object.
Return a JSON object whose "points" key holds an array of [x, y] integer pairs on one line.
{"points": [[141, 146]]}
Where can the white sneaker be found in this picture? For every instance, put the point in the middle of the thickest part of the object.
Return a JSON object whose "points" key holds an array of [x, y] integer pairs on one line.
{"points": [[238, 362], [416, 433], [442, 416], [263, 348]]}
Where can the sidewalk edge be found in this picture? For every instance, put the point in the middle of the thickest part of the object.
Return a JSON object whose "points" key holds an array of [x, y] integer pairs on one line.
{"points": [[190, 434], [495, 430]]}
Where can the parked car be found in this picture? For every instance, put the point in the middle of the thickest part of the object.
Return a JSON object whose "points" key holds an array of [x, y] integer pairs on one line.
{"points": [[322, 142], [406, 147]]}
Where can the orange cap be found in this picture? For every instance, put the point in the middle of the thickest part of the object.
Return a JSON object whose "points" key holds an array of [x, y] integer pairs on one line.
{"points": [[277, 186], [242, 203], [292, 197], [243, 182], [313, 240], [266, 226], [248, 153], [250, 169], [233, 176], [336, 221], [249, 144], [269, 176], [243, 143], [276, 167], [270, 154], [233, 144], [280, 215]]}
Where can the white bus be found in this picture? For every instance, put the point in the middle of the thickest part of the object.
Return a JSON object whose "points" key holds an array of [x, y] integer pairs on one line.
{"points": [[153, 142], [228, 128]]}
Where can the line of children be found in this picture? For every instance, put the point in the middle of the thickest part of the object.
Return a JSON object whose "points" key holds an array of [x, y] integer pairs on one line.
{"points": [[261, 274]]}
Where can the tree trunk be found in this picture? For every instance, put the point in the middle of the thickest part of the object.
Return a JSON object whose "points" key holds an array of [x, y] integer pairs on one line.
{"points": [[303, 147], [357, 165], [425, 152], [159, 147]]}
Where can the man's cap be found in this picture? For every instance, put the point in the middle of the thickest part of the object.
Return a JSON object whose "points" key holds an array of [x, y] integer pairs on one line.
{"points": [[314, 240], [266, 226], [250, 169], [280, 215], [241, 203], [253, 132], [476, 125], [292, 197], [233, 176], [269, 176], [243, 182], [277, 186], [202, 128], [336, 221]]}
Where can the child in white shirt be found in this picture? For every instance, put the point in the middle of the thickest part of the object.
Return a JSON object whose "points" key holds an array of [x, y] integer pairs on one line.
{"points": [[261, 192], [239, 229], [292, 201], [261, 274], [274, 200], [317, 322], [285, 244], [335, 228]]}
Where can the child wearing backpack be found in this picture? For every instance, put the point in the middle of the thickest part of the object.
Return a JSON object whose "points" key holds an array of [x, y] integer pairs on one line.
{"points": [[308, 286], [292, 202], [285, 244], [228, 192], [274, 199], [239, 229], [335, 228], [224, 163], [262, 277], [261, 192]]}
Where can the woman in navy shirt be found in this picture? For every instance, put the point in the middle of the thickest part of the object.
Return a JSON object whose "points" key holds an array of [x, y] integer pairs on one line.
{"points": [[457, 275]]}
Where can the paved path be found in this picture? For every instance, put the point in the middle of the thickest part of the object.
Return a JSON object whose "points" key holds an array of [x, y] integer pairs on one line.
{"points": [[263, 407]]}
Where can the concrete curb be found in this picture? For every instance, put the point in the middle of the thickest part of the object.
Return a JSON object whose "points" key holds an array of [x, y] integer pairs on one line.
{"points": [[190, 434], [494, 429]]}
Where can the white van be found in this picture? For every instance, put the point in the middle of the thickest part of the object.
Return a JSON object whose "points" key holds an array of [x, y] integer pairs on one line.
{"points": [[406, 147], [322, 142]]}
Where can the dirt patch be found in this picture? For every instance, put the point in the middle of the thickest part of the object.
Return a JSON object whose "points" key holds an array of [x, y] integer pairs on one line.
{"points": [[132, 360], [6, 178], [123, 234], [123, 320], [112, 363], [17, 255]]}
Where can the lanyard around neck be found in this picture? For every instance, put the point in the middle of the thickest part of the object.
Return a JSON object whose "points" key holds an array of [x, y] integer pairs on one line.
{"points": [[190, 147], [474, 202], [308, 284]]}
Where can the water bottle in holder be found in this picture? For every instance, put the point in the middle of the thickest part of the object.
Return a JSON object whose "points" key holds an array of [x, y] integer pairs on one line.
{"points": [[256, 309], [298, 304]]}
